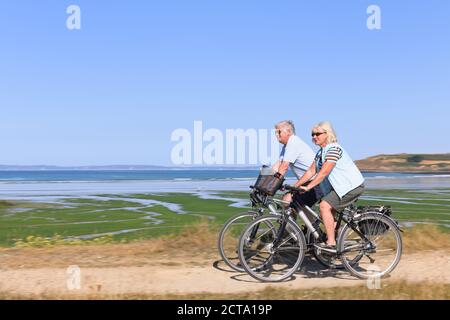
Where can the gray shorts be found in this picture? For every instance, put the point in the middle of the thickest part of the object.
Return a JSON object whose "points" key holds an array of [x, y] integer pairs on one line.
{"points": [[340, 204]]}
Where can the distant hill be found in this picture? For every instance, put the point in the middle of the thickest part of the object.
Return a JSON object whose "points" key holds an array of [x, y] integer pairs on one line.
{"points": [[414, 163], [407, 163]]}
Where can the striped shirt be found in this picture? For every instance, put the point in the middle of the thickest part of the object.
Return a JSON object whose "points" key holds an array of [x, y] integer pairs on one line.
{"points": [[332, 155], [345, 176]]}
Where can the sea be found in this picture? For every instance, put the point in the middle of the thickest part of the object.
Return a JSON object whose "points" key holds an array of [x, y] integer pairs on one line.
{"points": [[15, 184]]}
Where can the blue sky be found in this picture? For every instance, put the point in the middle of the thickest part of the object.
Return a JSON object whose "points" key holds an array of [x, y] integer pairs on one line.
{"points": [[114, 91]]}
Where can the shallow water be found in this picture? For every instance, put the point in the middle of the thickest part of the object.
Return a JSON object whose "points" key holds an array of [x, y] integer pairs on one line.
{"points": [[30, 190], [236, 202]]}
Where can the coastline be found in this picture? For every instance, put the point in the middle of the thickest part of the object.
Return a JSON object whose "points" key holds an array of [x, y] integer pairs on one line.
{"points": [[25, 189]]}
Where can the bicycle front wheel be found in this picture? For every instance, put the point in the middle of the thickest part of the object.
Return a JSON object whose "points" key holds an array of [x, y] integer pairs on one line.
{"points": [[377, 253], [266, 254], [229, 238]]}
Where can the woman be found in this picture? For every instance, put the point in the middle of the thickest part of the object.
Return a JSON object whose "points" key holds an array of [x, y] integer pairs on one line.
{"points": [[336, 173]]}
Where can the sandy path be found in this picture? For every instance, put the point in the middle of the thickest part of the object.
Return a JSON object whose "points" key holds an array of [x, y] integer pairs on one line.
{"points": [[206, 275]]}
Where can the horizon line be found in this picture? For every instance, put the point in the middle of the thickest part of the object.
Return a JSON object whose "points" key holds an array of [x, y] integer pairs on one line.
{"points": [[193, 165]]}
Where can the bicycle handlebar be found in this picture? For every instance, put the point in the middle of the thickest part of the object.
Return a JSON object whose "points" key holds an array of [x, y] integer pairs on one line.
{"points": [[292, 188]]}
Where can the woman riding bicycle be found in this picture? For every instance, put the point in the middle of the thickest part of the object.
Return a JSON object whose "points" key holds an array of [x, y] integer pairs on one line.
{"points": [[336, 173]]}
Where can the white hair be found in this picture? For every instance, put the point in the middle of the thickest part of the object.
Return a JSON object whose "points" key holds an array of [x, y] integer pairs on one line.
{"points": [[286, 124]]}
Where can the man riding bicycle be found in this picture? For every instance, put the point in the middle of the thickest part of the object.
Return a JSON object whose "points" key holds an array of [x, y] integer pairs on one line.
{"points": [[297, 156]]}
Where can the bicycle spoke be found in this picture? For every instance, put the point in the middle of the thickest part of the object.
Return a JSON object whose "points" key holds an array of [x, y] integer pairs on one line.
{"points": [[268, 262], [377, 257], [229, 238], [262, 235]]}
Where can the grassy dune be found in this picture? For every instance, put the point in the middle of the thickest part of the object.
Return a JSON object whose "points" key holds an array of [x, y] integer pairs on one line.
{"points": [[198, 240], [419, 163]]}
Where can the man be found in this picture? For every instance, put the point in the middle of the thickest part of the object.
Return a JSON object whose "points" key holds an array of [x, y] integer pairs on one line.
{"points": [[298, 156]]}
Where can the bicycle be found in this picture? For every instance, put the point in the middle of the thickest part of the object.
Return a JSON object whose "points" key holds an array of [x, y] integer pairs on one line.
{"points": [[229, 234], [263, 203], [272, 248]]}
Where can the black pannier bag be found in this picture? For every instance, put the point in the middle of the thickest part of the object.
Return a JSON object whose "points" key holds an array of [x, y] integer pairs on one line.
{"points": [[371, 227], [269, 181]]}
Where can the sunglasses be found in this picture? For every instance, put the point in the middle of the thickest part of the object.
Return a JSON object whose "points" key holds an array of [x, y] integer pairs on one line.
{"points": [[316, 134]]}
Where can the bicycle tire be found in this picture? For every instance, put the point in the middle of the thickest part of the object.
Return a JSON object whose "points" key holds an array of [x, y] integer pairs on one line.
{"points": [[292, 253], [233, 261], [376, 228]]}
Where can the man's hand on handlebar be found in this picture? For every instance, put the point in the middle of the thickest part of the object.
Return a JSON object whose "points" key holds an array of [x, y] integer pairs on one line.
{"points": [[304, 189], [295, 189]]}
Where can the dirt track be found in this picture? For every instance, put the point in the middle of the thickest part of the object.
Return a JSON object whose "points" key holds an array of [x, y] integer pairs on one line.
{"points": [[109, 272]]}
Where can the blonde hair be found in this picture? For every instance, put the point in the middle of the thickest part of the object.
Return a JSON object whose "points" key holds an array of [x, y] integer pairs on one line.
{"points": [[328, 128]]}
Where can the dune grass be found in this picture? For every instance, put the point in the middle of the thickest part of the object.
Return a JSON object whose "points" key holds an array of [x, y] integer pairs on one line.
{"points": [[201, 237], [389, 291], [400, 290]]}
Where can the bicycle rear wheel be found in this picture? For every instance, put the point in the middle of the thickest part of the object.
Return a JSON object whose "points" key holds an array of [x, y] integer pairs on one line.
{"points": [[263, 258], [375, 257], [229, 238]]}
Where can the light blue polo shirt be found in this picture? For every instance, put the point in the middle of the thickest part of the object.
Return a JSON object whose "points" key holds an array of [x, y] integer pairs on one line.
{"points": [[299, 155]]}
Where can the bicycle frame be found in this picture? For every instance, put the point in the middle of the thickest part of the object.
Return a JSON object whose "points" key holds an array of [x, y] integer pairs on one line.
{"points": [[356, 239], [266, 202], [301, 209], [273, 204]]}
